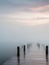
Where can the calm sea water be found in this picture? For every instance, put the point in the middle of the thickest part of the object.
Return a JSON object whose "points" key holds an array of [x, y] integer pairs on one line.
{"points": [[8, 50]]}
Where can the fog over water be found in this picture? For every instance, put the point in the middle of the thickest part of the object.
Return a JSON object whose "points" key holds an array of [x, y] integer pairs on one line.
{"points": [[22, 22], [19, 32], [14, 33]]}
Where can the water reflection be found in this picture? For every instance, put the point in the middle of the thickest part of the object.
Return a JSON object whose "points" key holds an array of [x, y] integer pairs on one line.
{"points": [[18, 60], [47, 60]]}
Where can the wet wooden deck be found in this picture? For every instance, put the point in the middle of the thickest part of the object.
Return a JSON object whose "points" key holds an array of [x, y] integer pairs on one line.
{"points": [[34, 56]]}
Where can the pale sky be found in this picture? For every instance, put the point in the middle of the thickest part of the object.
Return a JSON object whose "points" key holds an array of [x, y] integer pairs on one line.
{"points": [[30, 12], [24, 20]]}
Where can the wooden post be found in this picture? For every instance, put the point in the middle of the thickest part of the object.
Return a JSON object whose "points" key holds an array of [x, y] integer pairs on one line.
{"points": [[46, 53], [18, 51], [46, 50], [24, 50]]}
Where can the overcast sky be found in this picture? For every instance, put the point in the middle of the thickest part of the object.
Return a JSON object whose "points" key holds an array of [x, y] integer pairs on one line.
{"points": [[19, 15], [28, 11]]}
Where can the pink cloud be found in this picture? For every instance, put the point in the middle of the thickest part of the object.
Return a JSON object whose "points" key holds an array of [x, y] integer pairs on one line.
{"points": [[40, 8]]}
